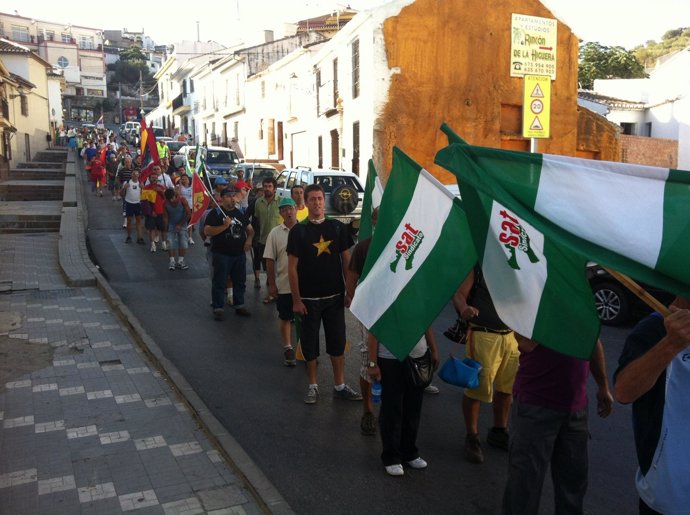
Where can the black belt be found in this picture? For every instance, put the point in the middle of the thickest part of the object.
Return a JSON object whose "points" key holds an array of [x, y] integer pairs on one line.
{"points": [[489, 330]]}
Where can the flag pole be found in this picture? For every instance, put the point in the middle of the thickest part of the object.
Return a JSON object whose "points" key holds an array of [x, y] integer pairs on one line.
{"points": [[640, 292]]}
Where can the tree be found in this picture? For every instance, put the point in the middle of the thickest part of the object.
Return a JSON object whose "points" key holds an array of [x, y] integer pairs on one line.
{"points": [[602, 62], [672, 41], [127, 68]]}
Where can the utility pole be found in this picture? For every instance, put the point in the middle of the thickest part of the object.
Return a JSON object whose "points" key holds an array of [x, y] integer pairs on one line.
{"points": [[119, 102], [198, 38], [141, 92]]}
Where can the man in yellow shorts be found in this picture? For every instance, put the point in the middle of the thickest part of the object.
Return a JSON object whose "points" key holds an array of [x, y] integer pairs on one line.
{"points": [[493, 344]]}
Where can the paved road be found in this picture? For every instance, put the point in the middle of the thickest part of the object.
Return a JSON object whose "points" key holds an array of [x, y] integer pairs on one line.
{"points": [[315, 455]]}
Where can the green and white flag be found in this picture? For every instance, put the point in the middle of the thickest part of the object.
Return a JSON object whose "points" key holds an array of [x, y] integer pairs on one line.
{"points": [[373, 191], [538, 287], [632, 218], [419, 254]]}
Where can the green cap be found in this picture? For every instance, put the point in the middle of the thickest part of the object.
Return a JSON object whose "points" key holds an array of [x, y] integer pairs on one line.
{"points": [[286, 201]]}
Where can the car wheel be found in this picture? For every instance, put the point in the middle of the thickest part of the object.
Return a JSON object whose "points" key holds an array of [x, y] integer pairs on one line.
{"points": [[344, 199], [611, 303]]}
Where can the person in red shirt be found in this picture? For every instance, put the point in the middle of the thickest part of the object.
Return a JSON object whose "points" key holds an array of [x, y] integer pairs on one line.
{"points": [[98, 175]]}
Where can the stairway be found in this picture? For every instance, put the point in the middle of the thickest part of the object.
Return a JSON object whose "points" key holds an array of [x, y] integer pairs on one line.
{"points": [[31, 199]]}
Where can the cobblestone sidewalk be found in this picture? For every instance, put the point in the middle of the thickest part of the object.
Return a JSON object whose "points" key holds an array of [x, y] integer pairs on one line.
{"points": [[86, 424]]}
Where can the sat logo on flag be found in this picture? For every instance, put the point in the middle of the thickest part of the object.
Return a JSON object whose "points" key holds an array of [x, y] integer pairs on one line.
{"points": [[514, 237], [407, 246]]}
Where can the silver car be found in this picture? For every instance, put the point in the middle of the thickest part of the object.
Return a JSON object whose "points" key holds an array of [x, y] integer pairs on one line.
{"points": [[344, 193]]}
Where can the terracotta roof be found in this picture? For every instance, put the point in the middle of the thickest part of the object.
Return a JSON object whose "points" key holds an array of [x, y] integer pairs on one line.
{"points": [[610, 101], [9, 47], [326, 22]]}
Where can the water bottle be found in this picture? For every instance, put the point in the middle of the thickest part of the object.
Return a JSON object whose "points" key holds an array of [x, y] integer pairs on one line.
{"points": [[376, 392]]}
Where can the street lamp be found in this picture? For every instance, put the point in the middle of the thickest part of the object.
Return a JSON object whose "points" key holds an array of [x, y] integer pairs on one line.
{"points": [[339, 108]]}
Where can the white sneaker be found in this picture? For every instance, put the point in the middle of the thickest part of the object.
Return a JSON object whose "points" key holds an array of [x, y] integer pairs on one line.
{"points": [[156, 239], [395, 470], [164, 245], [433, 390], [191, 241], [153, 246], [417, 463]]}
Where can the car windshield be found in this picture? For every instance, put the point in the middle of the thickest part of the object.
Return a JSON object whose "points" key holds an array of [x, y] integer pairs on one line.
{"points": [[221, 157], [174, 146]]}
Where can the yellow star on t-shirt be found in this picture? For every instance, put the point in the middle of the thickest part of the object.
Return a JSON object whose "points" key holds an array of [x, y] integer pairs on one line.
{"points": [[322, 246]]}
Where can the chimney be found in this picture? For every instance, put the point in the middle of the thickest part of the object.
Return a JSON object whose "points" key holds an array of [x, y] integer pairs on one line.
{"points": [[268, 36]]}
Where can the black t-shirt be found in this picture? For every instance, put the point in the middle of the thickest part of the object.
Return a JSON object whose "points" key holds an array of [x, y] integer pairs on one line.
{"points": [[481, 299], [359, 256], [318, 248], [231, 241], [648, 410]]}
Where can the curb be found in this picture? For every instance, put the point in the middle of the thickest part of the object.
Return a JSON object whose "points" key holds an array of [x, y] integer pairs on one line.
{"points": [[265, 493]]}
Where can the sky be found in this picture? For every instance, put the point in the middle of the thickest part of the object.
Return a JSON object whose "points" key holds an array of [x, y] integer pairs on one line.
{"points": [[627, 23]]}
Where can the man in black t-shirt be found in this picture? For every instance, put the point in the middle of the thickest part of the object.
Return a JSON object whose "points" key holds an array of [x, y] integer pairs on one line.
{"points": [[493, 344], [231, 236], [318, 257]]}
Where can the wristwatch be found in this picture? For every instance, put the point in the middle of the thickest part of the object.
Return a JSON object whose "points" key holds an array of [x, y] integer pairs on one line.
{"points": [[372, 364]]}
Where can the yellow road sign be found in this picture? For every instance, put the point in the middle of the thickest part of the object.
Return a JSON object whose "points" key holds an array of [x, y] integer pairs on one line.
{"points": [[536, 107]]}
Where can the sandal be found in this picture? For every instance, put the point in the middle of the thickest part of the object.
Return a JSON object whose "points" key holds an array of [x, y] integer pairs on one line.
{"points": [[269, 299]]}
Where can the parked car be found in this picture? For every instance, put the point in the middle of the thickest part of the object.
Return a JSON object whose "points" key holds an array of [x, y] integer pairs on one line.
{"points": [[219, 160], [175, 146], [255, 173], [615, 303], [344, 193]]}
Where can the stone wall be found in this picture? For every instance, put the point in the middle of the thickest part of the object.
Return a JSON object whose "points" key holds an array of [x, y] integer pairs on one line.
{"points": [[649, 151]]}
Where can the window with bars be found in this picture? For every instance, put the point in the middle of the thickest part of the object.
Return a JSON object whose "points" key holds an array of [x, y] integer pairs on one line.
{"points": [[335, 82], [20, 33], [66, 38], [318, 90], [355, 68], [86, 42], [355, 148]]}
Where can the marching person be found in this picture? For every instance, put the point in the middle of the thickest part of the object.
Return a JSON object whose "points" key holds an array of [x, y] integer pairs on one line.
{"points": [[654, 375], [318, 257], [231, 236], [276, 257]]}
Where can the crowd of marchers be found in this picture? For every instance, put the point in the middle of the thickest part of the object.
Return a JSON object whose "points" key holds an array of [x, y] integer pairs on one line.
{"points": [[538, 396]]}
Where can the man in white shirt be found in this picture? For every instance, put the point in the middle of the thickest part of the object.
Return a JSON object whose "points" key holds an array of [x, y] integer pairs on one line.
{"points": [[276, 258]]}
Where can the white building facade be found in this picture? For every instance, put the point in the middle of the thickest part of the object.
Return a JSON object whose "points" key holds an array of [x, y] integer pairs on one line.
{"points": [[658, 106]]}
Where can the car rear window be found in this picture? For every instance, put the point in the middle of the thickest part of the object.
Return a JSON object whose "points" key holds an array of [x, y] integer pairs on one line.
{"points": [[221, 157]]}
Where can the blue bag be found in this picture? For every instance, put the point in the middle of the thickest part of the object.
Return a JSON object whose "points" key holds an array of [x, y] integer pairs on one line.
{"points": [[463, 373]]}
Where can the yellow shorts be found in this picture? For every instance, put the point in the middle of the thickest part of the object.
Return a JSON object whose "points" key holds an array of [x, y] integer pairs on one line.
{"points": [[499, 356]]}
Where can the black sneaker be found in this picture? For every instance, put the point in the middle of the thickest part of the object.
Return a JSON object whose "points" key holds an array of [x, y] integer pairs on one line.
{"points": [[368, 424], [289, 358], [141, 241], [218, 314], [347, 393], [498, 437], [243, 312], [473, 449], [128, 240]]}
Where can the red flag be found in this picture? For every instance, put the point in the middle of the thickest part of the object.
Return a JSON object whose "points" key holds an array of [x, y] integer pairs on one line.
{"points": [[200, 199], [143, 134], [147, 140], [147, 170]]}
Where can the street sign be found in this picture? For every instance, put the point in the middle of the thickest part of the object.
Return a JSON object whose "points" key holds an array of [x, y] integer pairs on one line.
{"points": [[533, 46], [536, 106]]}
